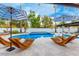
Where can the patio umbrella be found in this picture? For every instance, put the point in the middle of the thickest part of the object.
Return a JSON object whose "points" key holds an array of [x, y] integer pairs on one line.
{"points": [[67, 16], [55, 16], [11, 13], [63, 17]]}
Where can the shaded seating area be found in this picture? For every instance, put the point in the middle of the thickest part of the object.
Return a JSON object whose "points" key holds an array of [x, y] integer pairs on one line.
{"points": [[10, 13], [19, 14], [63, 41]]}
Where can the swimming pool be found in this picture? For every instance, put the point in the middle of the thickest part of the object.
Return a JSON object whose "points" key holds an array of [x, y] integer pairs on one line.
{"points": [[34, 35]]}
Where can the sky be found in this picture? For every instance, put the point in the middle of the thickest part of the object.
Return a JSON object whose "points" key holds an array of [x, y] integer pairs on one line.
{"points": [[41, 9], [46, 9], [51, 10]]}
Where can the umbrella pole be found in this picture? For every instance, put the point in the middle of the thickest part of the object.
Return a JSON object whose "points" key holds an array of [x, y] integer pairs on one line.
{"points": [[55, 16], [11, 48], [11, 30], [55, 27], [63, 27], [62, 31]]}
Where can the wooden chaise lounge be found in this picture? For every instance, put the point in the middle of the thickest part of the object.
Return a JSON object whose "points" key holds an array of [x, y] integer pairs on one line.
{"points": [[16, 42], [63, 41], [27, 43], [5, 42]]}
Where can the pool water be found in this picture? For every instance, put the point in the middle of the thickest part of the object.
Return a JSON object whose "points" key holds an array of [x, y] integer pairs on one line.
{"points": [[33, 35]]}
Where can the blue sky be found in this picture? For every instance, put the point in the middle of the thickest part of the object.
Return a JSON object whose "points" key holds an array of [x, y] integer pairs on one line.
{"points": [[46, 9]]}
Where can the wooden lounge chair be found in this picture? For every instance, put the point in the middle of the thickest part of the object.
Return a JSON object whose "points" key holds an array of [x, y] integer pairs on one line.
{"points": [[5, 42], [63, 41], [27, 43]]}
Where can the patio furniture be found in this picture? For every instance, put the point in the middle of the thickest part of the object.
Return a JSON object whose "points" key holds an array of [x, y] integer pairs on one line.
{"points": [[4, 42], [27, 43], [4, 33], [63, 41]]}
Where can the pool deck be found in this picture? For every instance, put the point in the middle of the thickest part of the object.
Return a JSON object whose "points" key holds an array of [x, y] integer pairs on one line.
{"points": [[44, 47]]}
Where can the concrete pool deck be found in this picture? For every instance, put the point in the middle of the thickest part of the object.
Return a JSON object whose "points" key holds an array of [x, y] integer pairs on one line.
{"points": [[44, 47]]}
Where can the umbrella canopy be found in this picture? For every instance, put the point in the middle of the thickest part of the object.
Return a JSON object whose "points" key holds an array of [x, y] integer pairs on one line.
{"points": [[7, 11], [63, 12], [11, 13], [64, 18]]}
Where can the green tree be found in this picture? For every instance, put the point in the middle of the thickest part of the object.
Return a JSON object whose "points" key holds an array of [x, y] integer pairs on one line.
{"points": [[47, 22], [38, 21], [35, 21], [31, 17]]}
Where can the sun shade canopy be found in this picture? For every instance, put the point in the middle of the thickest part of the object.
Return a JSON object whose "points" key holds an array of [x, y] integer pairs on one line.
{"points": [[17, 14], [65, 18]]}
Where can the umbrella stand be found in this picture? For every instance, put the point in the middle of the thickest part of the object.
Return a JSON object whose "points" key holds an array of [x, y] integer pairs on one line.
{"points": [[10, 48]]}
